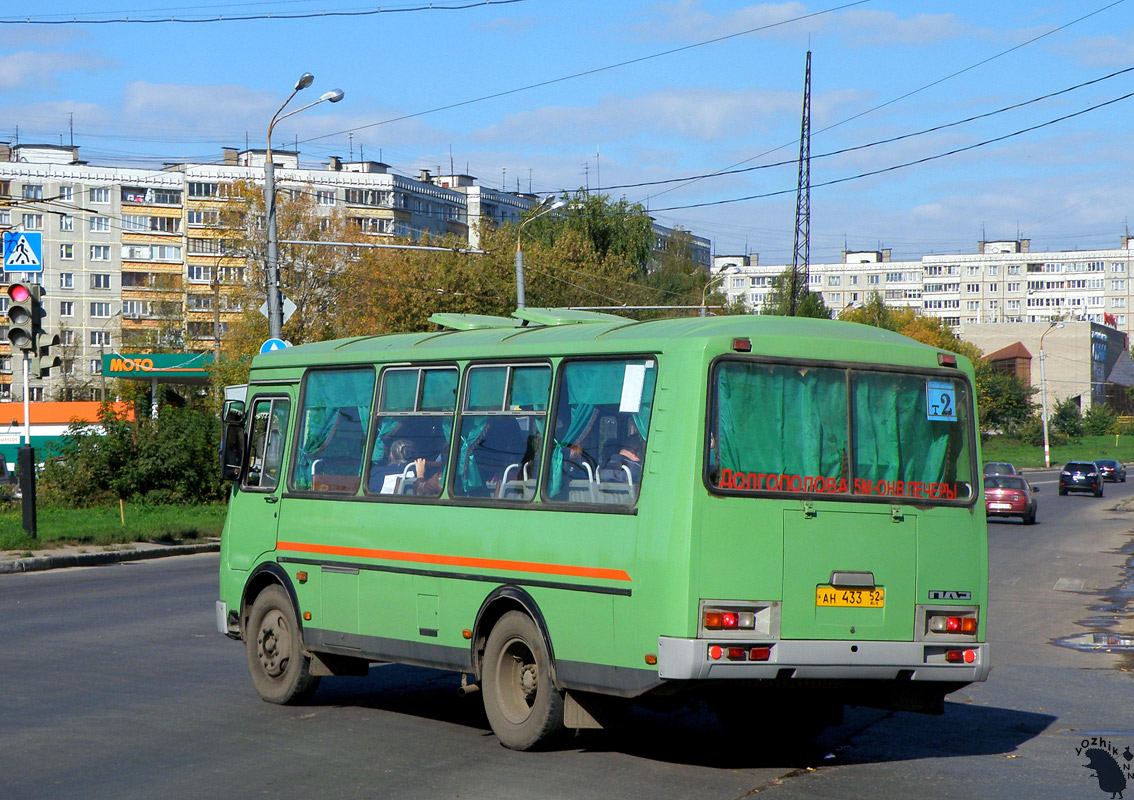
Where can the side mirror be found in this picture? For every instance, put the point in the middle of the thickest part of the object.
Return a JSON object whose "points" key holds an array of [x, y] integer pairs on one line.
{"points": [[233, 413], [232, 451], [1034, 488]]}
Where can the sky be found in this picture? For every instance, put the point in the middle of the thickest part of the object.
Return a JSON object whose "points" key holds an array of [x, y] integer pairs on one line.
{"points": [[558, 95]]}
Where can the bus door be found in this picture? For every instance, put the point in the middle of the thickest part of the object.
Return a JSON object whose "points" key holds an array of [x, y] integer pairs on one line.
{"points": [[849, 574], [254, 510]]}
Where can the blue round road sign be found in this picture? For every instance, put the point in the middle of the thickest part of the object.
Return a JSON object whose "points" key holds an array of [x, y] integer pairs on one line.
{"points": [[273, 344]]}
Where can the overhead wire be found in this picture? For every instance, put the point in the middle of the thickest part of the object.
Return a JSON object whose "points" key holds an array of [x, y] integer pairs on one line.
{"points": [[251, 17], [593, 71], [876, 143], [912, 92], [905, 164]]}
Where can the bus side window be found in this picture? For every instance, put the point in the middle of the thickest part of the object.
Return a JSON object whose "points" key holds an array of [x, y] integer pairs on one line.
{"points": [[602, 421], [414, 421], [269, 423], [333, 420], [502, 425]]}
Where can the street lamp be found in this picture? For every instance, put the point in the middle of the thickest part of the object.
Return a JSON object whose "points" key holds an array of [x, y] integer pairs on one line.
{"points": [[722, 274], [547, 204], [1043, 394], [275, 302]]}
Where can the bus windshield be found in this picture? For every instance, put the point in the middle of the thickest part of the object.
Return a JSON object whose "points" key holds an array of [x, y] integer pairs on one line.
{"points": [[802, 429]]}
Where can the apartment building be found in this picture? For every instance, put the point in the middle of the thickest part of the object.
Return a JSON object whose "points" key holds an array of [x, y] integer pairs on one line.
{"points": [[1002, 282], [140, 258]]}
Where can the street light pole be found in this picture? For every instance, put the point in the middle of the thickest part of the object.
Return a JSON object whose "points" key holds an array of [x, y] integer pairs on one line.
{"points": [[549, 203], [722, 274], [275, 302], [1043, 394]]}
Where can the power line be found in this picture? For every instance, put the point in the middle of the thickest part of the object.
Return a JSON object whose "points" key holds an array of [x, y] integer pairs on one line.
{"points": [[917, 90], [594, 71], [876, 143], [903, 165], [250, 17]]}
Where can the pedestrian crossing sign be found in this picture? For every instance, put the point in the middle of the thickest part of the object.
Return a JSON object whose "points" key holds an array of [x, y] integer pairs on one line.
{"points": [[23, 251]]}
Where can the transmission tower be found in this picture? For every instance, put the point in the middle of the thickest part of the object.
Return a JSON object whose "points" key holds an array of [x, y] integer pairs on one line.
{"points": [[801, 260]]}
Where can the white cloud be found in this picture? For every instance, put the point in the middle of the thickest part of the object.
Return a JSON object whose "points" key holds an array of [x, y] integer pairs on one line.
{"points": [[1102, 51], [702, 114], [884, 28], [35, 69], [687, 20]]}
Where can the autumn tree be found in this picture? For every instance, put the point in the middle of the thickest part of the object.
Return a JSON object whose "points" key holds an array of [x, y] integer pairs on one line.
{"points": [[790, 297], [1003, 399]]}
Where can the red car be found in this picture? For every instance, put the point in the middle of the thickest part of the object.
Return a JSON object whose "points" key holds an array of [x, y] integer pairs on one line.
{"points": [[1010, 496]]}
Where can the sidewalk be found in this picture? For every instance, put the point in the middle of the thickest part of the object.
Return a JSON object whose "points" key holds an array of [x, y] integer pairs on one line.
{"points": [[95, 555]]}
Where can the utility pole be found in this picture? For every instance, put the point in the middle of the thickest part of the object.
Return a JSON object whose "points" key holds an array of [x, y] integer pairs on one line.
{"points": [[801, 258]]}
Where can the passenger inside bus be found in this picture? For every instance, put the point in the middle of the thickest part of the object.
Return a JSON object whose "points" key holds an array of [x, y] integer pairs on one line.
{"points": [[337, 465], [388, 479], [624, 466]]}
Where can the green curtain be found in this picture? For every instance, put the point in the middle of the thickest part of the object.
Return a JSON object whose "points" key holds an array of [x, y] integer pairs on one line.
{"points": [[894, 439], [530, 388], [779, 420], [439, 390], [590, 384], [332, 398], [467, 471], [399, 389], [486, 388], [386, 426]]}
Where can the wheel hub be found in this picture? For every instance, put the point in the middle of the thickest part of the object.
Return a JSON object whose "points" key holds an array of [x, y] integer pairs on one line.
{"points": [[272, 644]]}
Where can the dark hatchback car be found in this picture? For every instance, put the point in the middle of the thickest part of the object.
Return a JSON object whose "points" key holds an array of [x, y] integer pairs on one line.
{"points": [[999, 468], [1081, 476], [1112, 470], [1010, 496]]}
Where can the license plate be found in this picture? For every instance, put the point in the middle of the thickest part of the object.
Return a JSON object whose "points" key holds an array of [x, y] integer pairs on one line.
{"points": [[849, 598], [999, 505]]}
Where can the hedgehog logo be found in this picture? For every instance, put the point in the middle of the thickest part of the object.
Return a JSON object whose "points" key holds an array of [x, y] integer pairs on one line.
{"points": [[1111, 766]]}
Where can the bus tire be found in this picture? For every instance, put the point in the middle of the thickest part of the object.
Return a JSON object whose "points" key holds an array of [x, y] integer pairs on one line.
{"points": [[522, 703], [281, 671]]}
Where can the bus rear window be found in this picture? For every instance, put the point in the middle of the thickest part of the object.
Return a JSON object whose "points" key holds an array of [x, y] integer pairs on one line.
{"points": [[824, 431]]}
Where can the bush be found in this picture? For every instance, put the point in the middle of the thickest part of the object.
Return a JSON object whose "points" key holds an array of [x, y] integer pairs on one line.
{"points": [[1066, 418], [172, 459], [1030, 432], [1100, 419]]}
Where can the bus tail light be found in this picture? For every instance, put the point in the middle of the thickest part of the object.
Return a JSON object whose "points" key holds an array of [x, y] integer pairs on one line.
{"points": [[953, 624], [741, 620], [960, 656], [746, 652]]}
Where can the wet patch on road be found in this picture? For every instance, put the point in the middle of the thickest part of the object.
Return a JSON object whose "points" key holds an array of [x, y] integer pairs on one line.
{"points": [[1110, 616]]}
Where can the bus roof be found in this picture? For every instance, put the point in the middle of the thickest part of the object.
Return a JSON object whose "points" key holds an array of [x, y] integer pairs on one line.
{"points": [[563, 332]]}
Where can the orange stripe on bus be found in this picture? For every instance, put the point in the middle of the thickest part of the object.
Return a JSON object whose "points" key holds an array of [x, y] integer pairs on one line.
{"points": [[458, 561]]}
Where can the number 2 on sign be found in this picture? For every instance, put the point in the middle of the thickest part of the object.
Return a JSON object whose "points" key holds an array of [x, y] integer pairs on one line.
{"points": [[940, 401]]}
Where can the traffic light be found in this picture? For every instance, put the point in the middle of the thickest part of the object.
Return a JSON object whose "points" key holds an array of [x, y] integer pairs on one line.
{"points": [[25, 328], [24, 314], [41, 360]]}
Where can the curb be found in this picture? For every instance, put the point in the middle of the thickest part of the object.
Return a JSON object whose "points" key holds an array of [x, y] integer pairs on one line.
{"points": [[41, 563]]}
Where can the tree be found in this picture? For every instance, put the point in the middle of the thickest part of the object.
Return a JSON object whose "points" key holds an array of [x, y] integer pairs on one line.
{"points": [[614, 228], [780, 301], [1066, 418], [171, 459], [1100, 419], [1004, 400]]}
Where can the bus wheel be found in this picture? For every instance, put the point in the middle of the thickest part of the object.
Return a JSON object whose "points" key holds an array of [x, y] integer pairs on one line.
{"points": [[523, 706], [280, 671]]}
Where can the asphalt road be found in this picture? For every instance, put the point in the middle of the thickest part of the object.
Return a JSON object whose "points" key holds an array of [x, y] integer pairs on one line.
{"points": [[116, 685]]}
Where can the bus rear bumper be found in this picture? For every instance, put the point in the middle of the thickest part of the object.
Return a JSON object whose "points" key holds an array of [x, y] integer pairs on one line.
{"points": [[691, 659]]}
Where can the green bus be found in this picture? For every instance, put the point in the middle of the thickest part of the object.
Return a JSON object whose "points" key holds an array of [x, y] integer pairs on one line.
{"points": [[574, 510]]}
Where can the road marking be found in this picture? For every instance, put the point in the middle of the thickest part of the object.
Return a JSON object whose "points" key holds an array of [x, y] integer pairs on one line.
{"points": [[1069, 585]]}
